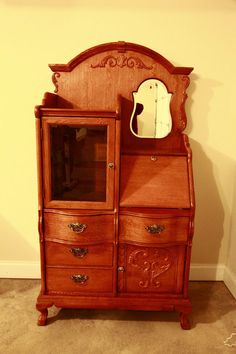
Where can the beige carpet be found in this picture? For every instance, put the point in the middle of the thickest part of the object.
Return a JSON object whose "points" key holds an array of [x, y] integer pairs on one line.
{"points": [[116, 332]]}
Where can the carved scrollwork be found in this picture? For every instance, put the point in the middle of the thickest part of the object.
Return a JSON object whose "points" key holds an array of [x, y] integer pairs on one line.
{"points": [[55, 76], [186, 81], [183, 119], [151, 263], [121, 61]]}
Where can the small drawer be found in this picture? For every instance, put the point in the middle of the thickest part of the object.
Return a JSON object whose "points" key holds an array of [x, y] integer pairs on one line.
{"points": [[153, 230], [83, 229], [78, 280], [74, 255]]}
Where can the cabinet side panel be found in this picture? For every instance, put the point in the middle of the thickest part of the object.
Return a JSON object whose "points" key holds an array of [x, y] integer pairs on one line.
{"points": [[40, 201]]}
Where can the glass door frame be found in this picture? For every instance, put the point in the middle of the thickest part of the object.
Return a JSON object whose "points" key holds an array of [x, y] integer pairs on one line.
{"points": [[47, 173]]}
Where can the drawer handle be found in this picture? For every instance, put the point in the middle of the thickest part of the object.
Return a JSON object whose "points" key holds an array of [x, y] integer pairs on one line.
{"points": [[77, 227], [79, 278], [79, 252], [155, 229]]}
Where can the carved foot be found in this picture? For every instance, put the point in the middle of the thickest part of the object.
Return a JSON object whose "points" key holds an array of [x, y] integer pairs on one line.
{"points": [[42, 320], [43, 309], [184, 321], [42, 306]]}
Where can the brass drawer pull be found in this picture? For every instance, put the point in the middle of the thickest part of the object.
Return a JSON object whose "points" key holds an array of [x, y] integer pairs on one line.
{"points": [[79, 252], [79, 278], [77, 227], [155, 229]]}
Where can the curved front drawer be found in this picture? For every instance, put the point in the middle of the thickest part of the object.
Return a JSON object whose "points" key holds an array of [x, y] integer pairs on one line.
{"points": [[74, 255], [78, 280], [83, 229], [153, 230]]}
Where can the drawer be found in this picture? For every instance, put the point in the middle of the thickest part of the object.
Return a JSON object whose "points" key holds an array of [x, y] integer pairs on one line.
{"points": [[78, 280], [83, 229], [153, 230], [74, 255]]}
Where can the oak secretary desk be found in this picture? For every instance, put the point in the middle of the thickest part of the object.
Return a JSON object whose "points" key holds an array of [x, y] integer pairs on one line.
{"points": [[116, 195]]}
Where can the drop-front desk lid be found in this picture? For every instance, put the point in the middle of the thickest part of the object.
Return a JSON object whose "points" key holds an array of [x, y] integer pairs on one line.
{"points": [[154, 181]]}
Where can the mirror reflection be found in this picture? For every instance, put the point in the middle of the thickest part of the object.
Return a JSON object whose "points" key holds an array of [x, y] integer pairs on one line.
{"points": [[151, 116]]}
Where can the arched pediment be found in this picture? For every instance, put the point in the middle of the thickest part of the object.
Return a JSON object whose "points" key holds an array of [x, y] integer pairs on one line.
{"points": [[120, 47]]}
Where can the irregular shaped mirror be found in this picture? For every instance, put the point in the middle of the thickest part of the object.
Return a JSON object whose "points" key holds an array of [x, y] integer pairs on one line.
{"points": [[151, 116]]}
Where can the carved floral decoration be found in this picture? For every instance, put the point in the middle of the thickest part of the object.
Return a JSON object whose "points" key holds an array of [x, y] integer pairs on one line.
{"points": [[121, 61], [151, 263]]}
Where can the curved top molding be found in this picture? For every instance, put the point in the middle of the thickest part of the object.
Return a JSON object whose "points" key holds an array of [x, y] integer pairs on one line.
{"points": [[121, 47]]}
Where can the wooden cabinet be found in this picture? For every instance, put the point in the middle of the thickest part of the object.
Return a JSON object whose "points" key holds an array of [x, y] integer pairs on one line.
{"points": [[116, 196]]}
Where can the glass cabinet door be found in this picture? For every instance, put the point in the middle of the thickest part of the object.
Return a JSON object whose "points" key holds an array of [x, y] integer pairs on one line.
{"points": [[78, 162]]}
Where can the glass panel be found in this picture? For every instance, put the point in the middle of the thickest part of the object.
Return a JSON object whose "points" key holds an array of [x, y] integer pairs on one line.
{"points": [[78, 162]]}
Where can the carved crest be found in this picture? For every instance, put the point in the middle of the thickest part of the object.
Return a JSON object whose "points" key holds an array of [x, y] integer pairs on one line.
{"points": [[121, 61]]}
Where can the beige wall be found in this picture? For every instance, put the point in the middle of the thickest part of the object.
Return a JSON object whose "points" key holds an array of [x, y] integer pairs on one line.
{"points": [[189, 33]]}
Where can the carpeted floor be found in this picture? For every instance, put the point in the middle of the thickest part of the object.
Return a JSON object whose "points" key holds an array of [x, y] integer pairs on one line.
{"points": [[116, 332]]}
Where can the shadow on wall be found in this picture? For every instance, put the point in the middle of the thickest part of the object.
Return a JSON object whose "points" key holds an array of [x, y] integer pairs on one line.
{"points": [[200, 93], [231, 260], [210, 212]]}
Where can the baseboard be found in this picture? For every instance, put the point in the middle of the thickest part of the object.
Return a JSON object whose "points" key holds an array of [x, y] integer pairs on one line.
{"points": [[20, 269], [230, 281], [210, 272]]}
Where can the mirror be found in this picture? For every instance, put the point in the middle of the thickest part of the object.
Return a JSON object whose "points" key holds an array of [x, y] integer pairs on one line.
{"points": [[151, 116]]}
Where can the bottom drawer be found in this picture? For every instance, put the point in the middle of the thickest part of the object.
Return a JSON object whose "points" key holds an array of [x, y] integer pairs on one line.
{"points": [[79, 280]]}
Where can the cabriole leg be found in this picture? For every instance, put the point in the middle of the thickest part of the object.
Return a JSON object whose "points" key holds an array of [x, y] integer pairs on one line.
{"points": [[184, 320], [43, 309], [42, 320]]}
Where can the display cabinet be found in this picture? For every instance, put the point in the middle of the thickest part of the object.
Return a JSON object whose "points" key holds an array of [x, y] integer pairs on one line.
{"points": [[116, 195]]}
